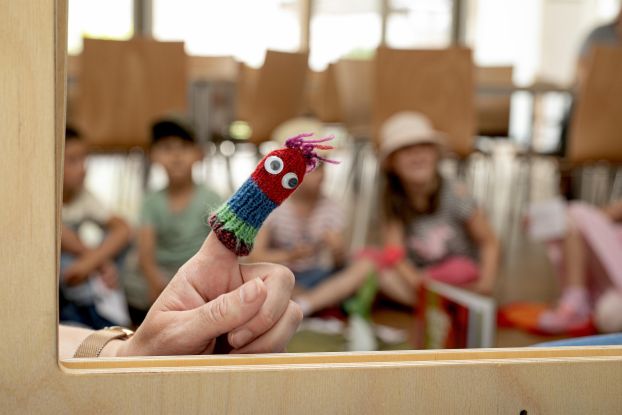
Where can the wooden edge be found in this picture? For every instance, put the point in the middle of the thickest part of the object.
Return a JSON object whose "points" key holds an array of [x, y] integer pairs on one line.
{"points": [[60, 102], [101, 369], [332, 359]]}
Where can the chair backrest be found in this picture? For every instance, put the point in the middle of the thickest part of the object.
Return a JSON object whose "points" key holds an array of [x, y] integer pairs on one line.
{"points": [[212, 68], [354, 79], [438, 83], [124, 86], [493, 108], [322, 96], [272, 94], [596, 125]]}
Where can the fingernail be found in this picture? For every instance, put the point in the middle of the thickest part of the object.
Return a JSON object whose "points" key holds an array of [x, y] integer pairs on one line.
{"points": [[240, 338], [250, 291]]}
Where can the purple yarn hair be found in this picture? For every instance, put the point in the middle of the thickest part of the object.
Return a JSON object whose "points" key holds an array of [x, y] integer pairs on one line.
{"points": [[309, 147]]}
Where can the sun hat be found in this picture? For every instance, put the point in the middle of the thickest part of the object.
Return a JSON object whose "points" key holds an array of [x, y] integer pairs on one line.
{"points": [[405, 129]]}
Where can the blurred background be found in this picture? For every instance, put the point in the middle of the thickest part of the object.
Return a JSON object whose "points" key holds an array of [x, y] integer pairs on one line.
{"points": [[501, 78]]}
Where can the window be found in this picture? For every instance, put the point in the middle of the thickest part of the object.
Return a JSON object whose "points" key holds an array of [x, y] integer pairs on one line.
{"points": [[244, 29], [419, 23], [344, 28], [103, 19]]}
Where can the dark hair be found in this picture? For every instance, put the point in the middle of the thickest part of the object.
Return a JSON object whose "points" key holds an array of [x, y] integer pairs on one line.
{"points": [[72, 133], [169, 128], [396, 204]]}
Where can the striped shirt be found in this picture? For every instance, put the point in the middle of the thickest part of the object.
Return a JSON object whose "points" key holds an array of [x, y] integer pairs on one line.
{"points": [[288, 230], [432, 238]]}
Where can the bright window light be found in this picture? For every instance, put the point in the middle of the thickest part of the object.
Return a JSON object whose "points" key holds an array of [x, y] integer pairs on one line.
{"points": [[244, 29], [102, 19]]}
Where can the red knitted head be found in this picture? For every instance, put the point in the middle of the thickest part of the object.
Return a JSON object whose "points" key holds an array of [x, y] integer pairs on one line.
{"points": [[279, 173]]}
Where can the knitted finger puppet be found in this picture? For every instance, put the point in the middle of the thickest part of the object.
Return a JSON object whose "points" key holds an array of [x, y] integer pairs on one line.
{"points": [[277, 175]]}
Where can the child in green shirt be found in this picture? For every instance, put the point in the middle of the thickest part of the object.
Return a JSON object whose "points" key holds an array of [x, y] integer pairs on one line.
{"points": [[173, 222]]}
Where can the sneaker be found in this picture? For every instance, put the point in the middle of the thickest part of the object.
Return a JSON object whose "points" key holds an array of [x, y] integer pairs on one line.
{"points": [[571, 313]]}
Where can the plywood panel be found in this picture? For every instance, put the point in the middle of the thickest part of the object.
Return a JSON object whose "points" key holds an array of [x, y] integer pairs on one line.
{"points": [[32, 381], [323, 96], [438, 83], [273, 94], [124, 86], [596, 126], [212, 68], [354, 84]]}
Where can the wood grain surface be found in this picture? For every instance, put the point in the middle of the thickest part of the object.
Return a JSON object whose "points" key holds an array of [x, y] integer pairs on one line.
{"points": [[545, 381]]}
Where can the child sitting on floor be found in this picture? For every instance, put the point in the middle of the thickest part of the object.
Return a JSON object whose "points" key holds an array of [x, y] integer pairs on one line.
{"points": [[81, 264], [588, 263], [429, 218], [305, 233], [173, 221]]}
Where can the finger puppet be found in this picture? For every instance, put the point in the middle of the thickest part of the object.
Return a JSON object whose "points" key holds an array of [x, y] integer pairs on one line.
{"points": [[277, 176]]}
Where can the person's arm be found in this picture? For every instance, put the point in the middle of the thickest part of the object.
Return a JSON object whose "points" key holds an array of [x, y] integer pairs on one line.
{"points": [[481, 232], [336, 244], [70, 242], [262, 251], [118, 236], [394, 236], [614, 211], [147, 261], [70, 338]]}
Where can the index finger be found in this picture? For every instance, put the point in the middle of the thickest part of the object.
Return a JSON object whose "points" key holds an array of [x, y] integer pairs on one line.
{"points": [[279, 282]]}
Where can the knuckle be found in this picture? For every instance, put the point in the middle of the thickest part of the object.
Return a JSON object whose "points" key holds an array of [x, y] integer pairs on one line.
{"points": [[286, 276], [217, 310], [267, 318], [295, 312]]}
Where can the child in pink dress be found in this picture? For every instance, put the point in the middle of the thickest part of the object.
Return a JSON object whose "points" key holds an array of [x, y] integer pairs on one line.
{"points": [[588, 261]]}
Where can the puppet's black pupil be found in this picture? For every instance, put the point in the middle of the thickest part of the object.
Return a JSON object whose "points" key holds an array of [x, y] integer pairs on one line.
{"points": [[292, 182], [275, 164]]}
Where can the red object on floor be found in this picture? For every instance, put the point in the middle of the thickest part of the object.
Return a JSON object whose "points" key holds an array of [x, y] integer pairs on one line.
{"points": [[525, 316]]}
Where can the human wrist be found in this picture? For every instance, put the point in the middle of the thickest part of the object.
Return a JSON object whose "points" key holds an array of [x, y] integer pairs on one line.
{"points": [[90, 260], [114, 348], [107, 342]]}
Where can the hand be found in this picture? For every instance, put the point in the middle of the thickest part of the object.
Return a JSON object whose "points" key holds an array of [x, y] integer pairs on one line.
{"points": [[109, 274], [213, 295], [334, 241], [301, 251], [155, 289], [78, 271], [481, 286]]}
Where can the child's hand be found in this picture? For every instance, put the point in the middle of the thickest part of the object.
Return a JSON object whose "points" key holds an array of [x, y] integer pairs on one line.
{"points": [[78, 271], [481, 286], [334, 241], [301, 251], [109, 274]]}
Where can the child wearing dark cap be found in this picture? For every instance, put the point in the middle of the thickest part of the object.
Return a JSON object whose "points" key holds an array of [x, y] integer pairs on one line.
{"points": [[173, 221], [81, 263]]}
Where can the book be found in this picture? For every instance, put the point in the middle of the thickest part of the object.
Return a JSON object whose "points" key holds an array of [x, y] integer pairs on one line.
{"points": [[450, 317]]}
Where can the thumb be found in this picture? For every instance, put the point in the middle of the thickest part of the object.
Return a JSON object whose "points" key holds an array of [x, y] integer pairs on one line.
{"points": [[213, 248], [227, 311]]}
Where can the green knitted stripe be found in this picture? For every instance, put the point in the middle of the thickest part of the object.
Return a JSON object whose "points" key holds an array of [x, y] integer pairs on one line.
{"points": [[242, 230]]}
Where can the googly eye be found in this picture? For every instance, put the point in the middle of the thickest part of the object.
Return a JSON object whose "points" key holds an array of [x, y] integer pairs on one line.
{"points": [[290, 181], [273, 165]]}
